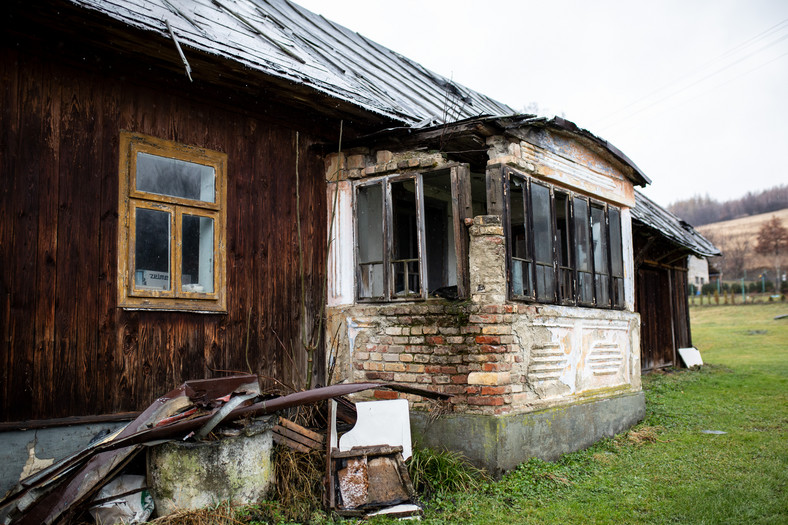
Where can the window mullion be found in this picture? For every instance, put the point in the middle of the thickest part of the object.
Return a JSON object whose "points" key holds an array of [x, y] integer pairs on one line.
{"points": [[570, 247], [176, 255], [388, 217], [592, 258], [422, 249], [554, 222], [610, 291], [528, 220]]}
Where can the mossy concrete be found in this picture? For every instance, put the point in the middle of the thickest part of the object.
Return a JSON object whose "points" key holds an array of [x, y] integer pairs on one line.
{"points": [[500, 443], [190, 476]]}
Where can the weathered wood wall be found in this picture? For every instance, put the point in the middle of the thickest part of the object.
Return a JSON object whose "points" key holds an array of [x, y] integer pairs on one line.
{"points": [[66, 349], [661, 301]]}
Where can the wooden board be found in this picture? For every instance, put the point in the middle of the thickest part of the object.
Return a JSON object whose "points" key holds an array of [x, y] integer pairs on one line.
{"points": [[67, 349]]}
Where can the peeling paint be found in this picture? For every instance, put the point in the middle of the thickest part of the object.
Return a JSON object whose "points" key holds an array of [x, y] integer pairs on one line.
{"points": [[33, 463]]}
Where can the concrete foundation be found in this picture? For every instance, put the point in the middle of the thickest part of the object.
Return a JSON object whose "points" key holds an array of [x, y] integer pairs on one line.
{"points": [[500, 443], [25, 452]]}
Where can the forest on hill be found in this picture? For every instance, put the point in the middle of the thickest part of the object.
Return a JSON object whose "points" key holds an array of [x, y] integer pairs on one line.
{"points": [[699, 210]]}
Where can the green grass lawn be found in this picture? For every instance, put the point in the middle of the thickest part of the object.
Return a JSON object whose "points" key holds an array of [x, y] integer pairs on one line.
{"points": [[666, 470]]}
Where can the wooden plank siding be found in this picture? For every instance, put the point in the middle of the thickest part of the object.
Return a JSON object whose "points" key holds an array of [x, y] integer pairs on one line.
{"points": [[67, 350], [661, 301]]}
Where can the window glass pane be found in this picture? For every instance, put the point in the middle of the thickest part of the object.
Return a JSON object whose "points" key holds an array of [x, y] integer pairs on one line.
{"points": [[369, 218], [585, 282], [176, 178], [618, 291], [543, 223], [441, 256], [197, 254], [543, 242], [564, 247], [522, 280], [582, 259], [599, 239], [585, 287], [405, 249], [616, 260], [616, 257], [545, 283], [517, 218], [152, 250]]}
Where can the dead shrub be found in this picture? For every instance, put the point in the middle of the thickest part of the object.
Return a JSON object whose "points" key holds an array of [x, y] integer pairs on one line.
{"points": [[299, 482]]}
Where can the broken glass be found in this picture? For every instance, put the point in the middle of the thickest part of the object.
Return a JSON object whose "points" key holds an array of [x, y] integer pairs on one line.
{"points": [[197, 254], [369, 221]]}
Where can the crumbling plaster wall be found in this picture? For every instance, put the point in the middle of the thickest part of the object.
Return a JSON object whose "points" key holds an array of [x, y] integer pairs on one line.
{"points": [[496, 357]]}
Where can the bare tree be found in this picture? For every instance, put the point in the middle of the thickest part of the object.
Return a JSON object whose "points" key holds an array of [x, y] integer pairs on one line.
{"points": [[773, 240]]}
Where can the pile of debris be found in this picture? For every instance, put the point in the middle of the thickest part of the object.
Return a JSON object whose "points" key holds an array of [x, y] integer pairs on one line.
{"points": [[365, 446]]}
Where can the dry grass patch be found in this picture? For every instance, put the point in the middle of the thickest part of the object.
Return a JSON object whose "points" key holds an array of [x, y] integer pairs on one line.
{"points": [[221, 514]]}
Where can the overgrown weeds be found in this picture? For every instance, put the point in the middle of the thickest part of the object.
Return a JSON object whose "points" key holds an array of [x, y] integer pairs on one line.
{"points": [[434, 471]]}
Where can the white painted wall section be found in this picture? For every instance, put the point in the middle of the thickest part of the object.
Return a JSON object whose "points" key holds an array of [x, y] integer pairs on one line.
{"points": [[340, 255]]}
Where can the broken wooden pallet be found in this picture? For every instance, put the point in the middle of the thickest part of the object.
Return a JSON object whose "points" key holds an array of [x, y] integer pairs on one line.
{"points": [[298, 438]]}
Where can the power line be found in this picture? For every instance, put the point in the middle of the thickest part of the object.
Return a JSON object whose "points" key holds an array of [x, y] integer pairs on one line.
{"points": [[741, 46], [692, 84], [717, 86]]}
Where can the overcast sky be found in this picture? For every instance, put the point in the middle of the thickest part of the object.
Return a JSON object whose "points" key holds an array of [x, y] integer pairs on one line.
{"points": [[694, 92]]}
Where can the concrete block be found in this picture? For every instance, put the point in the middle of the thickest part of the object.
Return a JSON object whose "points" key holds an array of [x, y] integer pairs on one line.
{"points": [[191, 476]]}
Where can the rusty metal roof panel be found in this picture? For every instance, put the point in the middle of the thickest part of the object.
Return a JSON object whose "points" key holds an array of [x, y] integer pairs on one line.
{"points": [[284, 40], [652, 215]]}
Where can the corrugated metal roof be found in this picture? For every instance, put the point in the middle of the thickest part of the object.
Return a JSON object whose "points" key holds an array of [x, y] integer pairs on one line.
{"points": [[652, 215], [284, 40]]}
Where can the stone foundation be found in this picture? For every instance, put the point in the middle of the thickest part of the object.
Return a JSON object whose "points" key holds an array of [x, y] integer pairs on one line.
{"points": [[500, 443]]}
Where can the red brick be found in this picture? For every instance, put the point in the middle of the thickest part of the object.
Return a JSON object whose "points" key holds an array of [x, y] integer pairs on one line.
{"points": [[485, 401], [493, 349], [385, 394], [435, 340], [496, 367], [460, 379], [488, 339], [493, 390], [432, 369], [448, 370], [380, 376]]}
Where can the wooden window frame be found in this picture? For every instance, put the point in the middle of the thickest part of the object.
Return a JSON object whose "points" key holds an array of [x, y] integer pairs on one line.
{"points": [[502, 177], [461, 204], [131, 199]]}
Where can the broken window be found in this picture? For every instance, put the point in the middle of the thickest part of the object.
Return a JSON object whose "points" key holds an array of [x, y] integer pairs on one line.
{"points": [[407, 242], [172, 225], [563, 248], [616, 257]]}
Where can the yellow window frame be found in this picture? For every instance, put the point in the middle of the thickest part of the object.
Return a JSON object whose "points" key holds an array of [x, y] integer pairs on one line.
{"points": [[131, 199]]}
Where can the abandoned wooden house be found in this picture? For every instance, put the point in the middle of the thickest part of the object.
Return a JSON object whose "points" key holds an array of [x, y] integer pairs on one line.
{"points": [[169, 166]]}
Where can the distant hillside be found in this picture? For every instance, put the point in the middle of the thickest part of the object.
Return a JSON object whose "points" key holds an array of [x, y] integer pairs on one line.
{"points": [[699, 210], [737, 239]]}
